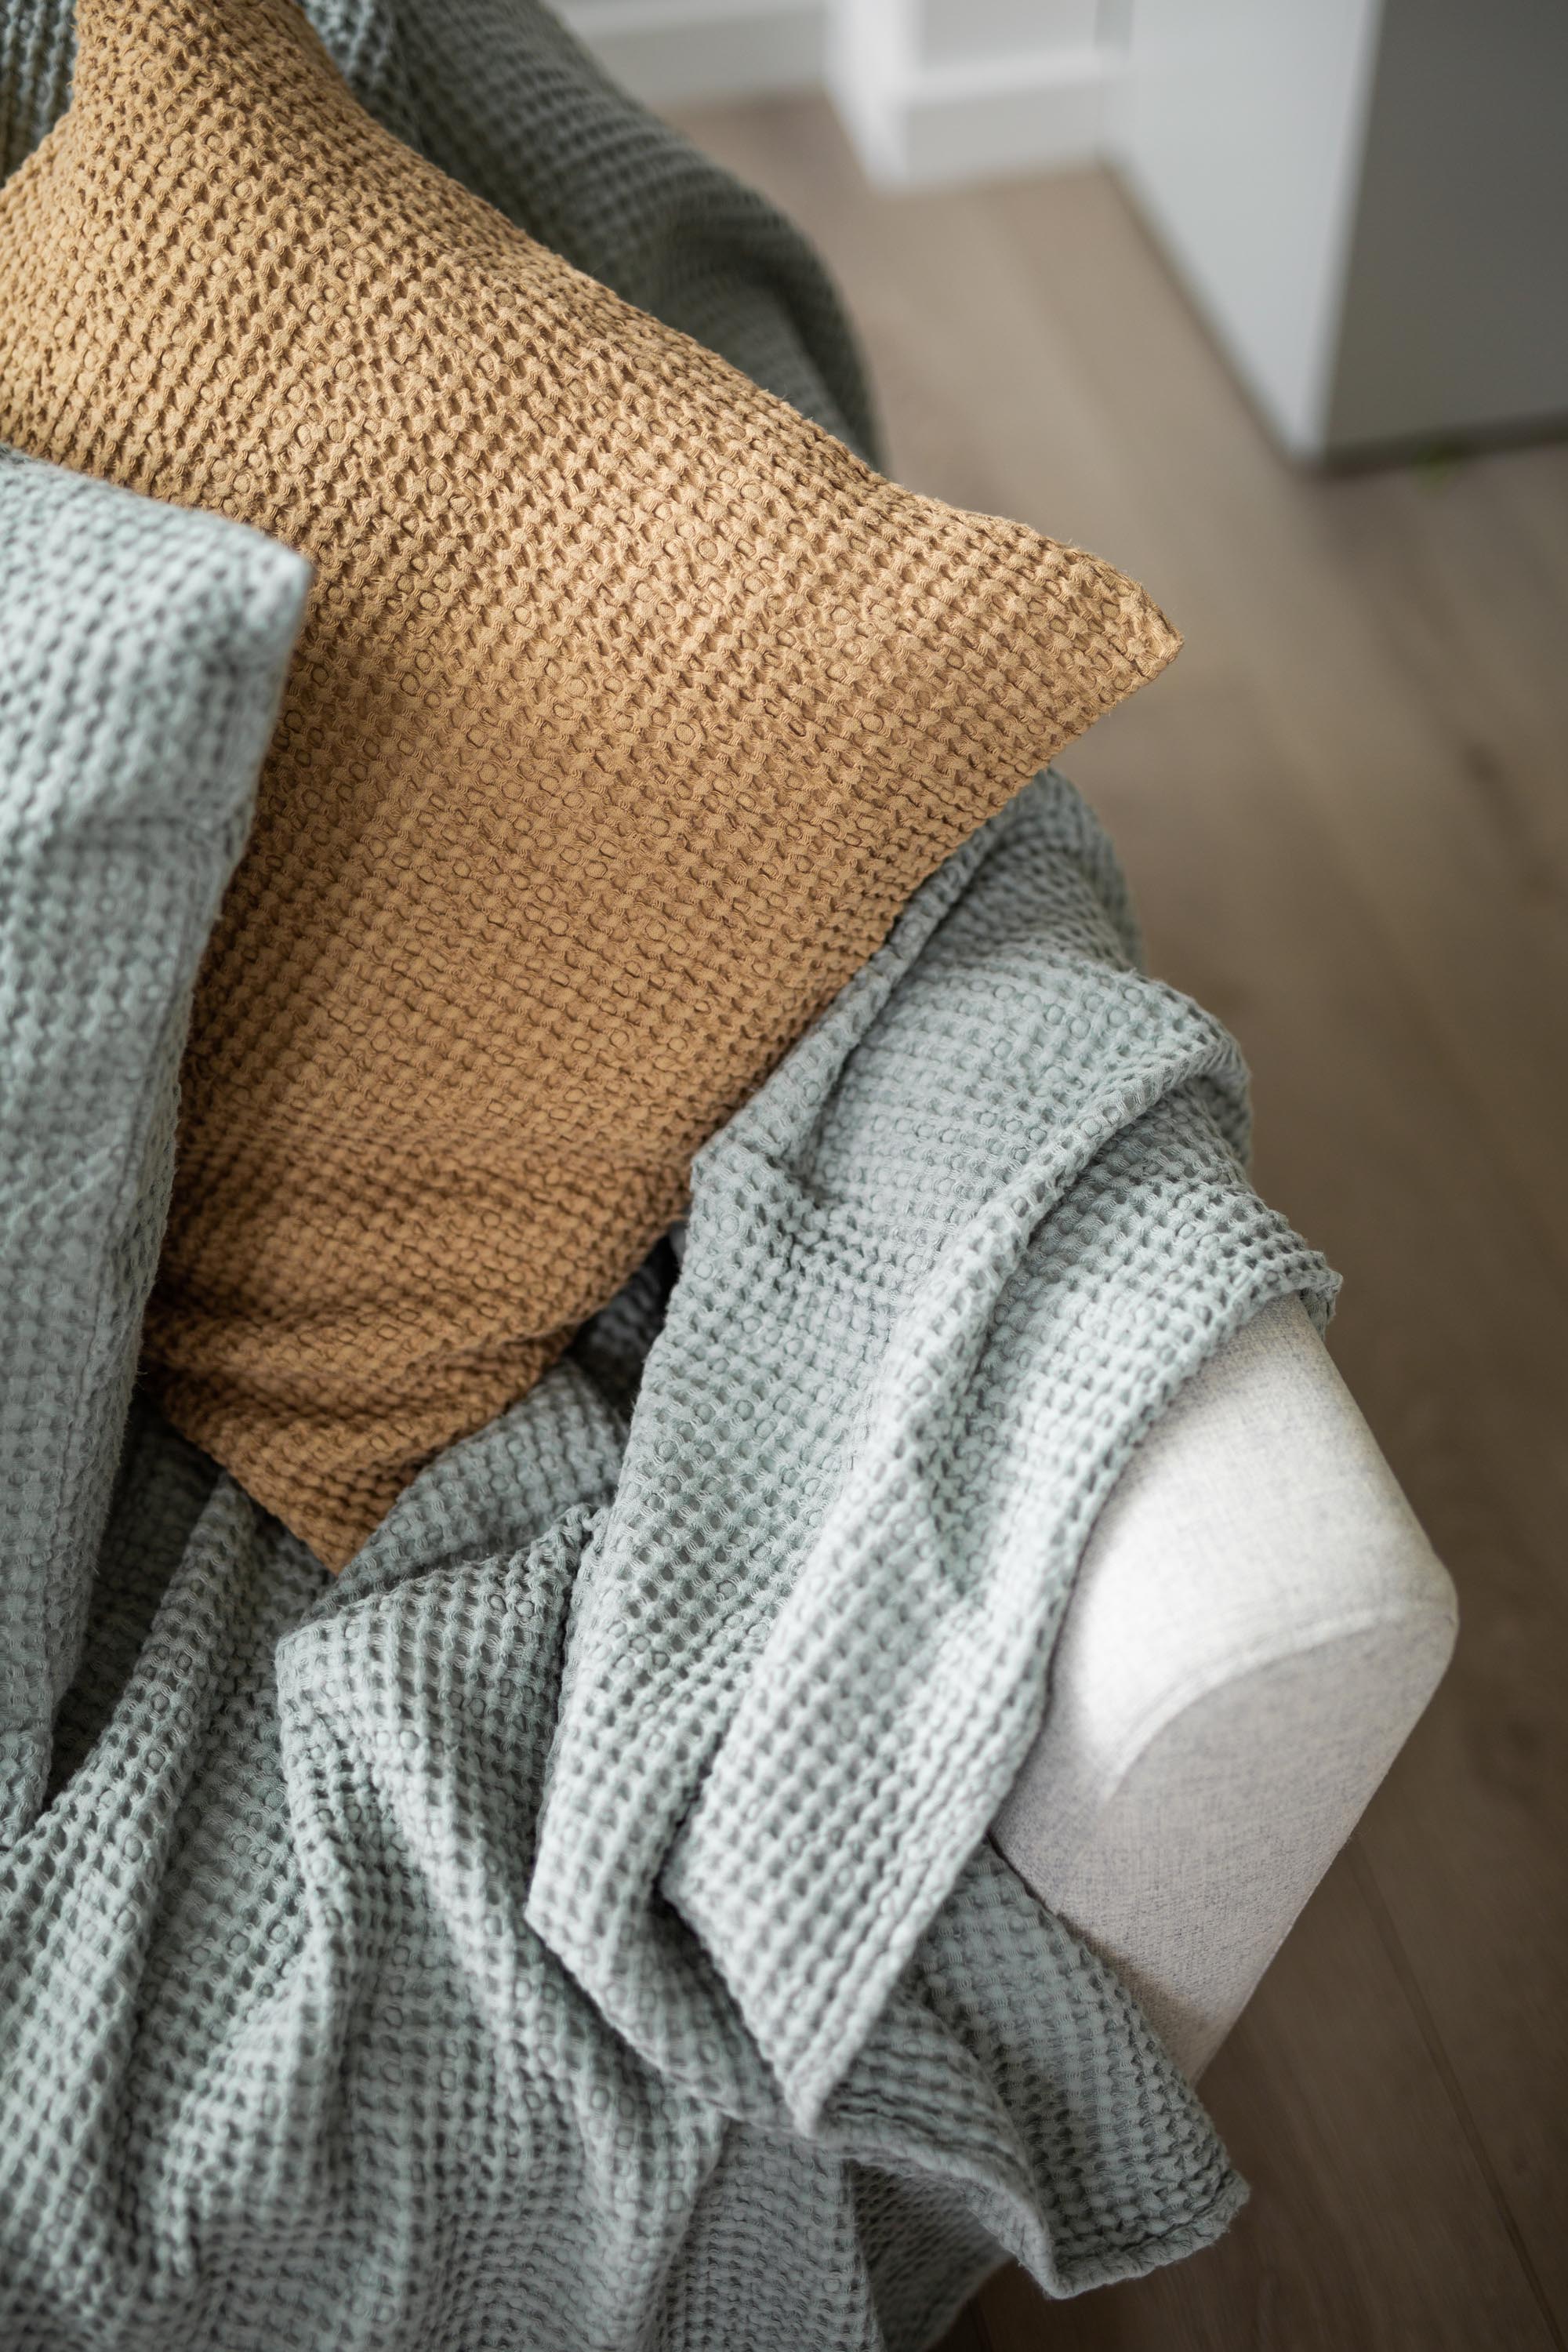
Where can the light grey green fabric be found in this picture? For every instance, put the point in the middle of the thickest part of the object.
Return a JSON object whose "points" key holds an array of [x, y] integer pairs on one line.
{"points": [[310, 2038], [941, 1274], [35, 74], [573, 1927], [142, 655]]}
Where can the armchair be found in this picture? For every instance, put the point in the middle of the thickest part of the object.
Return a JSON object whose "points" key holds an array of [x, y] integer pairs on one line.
{"points": [[1258, 1624]]}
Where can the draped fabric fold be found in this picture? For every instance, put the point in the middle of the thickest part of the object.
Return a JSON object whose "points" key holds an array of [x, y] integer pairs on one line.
{"points": [[573, 1925]]}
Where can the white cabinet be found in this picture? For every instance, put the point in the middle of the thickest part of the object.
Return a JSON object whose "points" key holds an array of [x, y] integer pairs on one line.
{"points": [[1369, 201]]}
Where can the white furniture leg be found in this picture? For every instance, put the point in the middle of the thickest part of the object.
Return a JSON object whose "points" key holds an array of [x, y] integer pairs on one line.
{"points": [[1258, 1623]]}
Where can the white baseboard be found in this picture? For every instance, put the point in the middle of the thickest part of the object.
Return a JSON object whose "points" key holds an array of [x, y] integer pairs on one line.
{"points": [[978, 120], [912, 124], [687, 52]]}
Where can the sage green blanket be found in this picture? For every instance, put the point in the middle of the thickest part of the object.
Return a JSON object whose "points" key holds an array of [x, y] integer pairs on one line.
{"points": [[572, 1928]]}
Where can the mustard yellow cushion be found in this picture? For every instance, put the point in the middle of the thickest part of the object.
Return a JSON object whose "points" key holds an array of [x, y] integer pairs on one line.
{"points": [[630, 708]]}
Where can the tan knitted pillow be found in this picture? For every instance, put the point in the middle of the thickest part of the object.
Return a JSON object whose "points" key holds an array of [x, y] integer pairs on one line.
{"points": [[630, 710]]}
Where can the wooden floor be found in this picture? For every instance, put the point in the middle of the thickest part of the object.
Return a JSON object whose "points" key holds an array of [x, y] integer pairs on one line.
{"points": [[1345, 817]]}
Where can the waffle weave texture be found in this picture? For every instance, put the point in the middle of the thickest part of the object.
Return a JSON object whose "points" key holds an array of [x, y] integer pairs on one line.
{"points": [[337, 2014], [630, 708], [499, 95], [309, 2036], [144, 657]]}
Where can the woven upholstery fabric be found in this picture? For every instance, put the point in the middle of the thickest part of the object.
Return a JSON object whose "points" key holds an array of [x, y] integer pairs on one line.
{"points": [[144, 654], [35, 47], [630, 708], [302, 2052]]}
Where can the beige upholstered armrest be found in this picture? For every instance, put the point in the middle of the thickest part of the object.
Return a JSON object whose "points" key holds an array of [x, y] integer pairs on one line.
{"points": [[1258, 1623]]}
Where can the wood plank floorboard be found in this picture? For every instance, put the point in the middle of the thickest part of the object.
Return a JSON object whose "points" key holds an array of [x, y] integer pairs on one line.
{"points": [[1345, 814]]}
